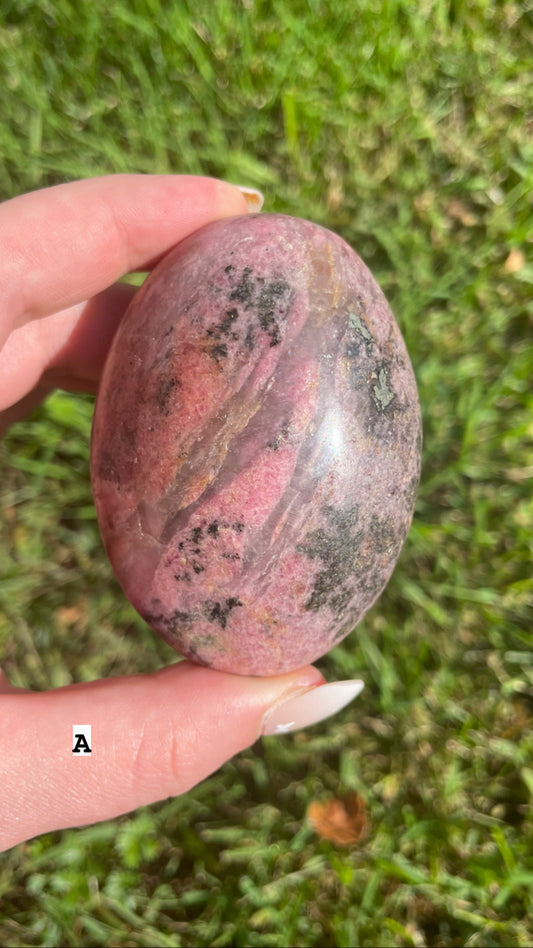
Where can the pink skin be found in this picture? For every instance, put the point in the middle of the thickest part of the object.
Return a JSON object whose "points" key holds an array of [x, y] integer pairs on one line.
{"points": [[256, 445], [62, 250]]}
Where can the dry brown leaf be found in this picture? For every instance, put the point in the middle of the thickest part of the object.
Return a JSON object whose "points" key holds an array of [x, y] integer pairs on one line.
{"points": [[69, 615], [341, 819], [460, 212], [515, 261]]}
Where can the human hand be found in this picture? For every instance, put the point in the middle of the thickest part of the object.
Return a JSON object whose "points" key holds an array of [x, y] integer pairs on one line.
{"points": [[153, 735]]}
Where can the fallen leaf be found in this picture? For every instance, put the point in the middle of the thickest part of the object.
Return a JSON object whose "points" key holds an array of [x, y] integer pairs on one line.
{"points": [[460, 212], [69, 615], [515, 261], [341, 819]]}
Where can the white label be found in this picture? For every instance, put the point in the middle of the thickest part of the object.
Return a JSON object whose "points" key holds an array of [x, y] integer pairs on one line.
{"points": [[81, 740]]}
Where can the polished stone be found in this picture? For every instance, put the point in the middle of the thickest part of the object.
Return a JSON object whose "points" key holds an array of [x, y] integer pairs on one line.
{"points": [[256, 444]]}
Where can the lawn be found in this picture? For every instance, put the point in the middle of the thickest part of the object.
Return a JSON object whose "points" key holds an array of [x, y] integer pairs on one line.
{"points": [[407, 128]]}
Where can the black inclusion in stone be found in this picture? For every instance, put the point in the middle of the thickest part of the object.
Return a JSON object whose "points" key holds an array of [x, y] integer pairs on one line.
{"points": [[273, 305], [162, 395], [382, 394], [244, 291], [333, 544], [220, 351], [271, 300], [219, 611], [171, 623]]}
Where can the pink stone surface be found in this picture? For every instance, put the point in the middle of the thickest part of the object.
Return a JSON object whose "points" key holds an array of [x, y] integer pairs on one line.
{"points": [[256, 444]]}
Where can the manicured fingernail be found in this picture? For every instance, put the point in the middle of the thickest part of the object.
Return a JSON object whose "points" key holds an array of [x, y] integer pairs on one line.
{"points": [[310, 706], [253, 198]]}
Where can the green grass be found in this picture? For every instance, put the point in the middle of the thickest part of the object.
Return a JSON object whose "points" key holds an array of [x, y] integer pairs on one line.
{"points": [[406, 127]]}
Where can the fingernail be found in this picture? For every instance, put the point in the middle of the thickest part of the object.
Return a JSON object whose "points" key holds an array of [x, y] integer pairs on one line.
{"points": [[310, 706], [253, 198]]}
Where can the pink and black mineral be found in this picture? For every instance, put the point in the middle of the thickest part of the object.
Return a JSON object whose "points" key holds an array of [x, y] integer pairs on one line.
{"points": [[256, 445]]}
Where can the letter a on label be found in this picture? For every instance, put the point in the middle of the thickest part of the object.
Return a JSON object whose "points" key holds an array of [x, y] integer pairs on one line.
{"points": [[81, 739]]}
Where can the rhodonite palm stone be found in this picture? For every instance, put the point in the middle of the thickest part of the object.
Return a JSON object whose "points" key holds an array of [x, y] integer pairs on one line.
{"points": [[256, 444]]}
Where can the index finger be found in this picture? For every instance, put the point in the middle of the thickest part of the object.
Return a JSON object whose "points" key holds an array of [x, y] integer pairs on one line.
{"points": [[64, 244]]}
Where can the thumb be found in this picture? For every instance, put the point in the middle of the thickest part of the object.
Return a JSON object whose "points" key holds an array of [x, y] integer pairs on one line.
{"points": [[152, 736]]}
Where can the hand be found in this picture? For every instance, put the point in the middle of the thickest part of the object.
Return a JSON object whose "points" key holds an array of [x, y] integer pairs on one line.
{"points": [[153, 736]]}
